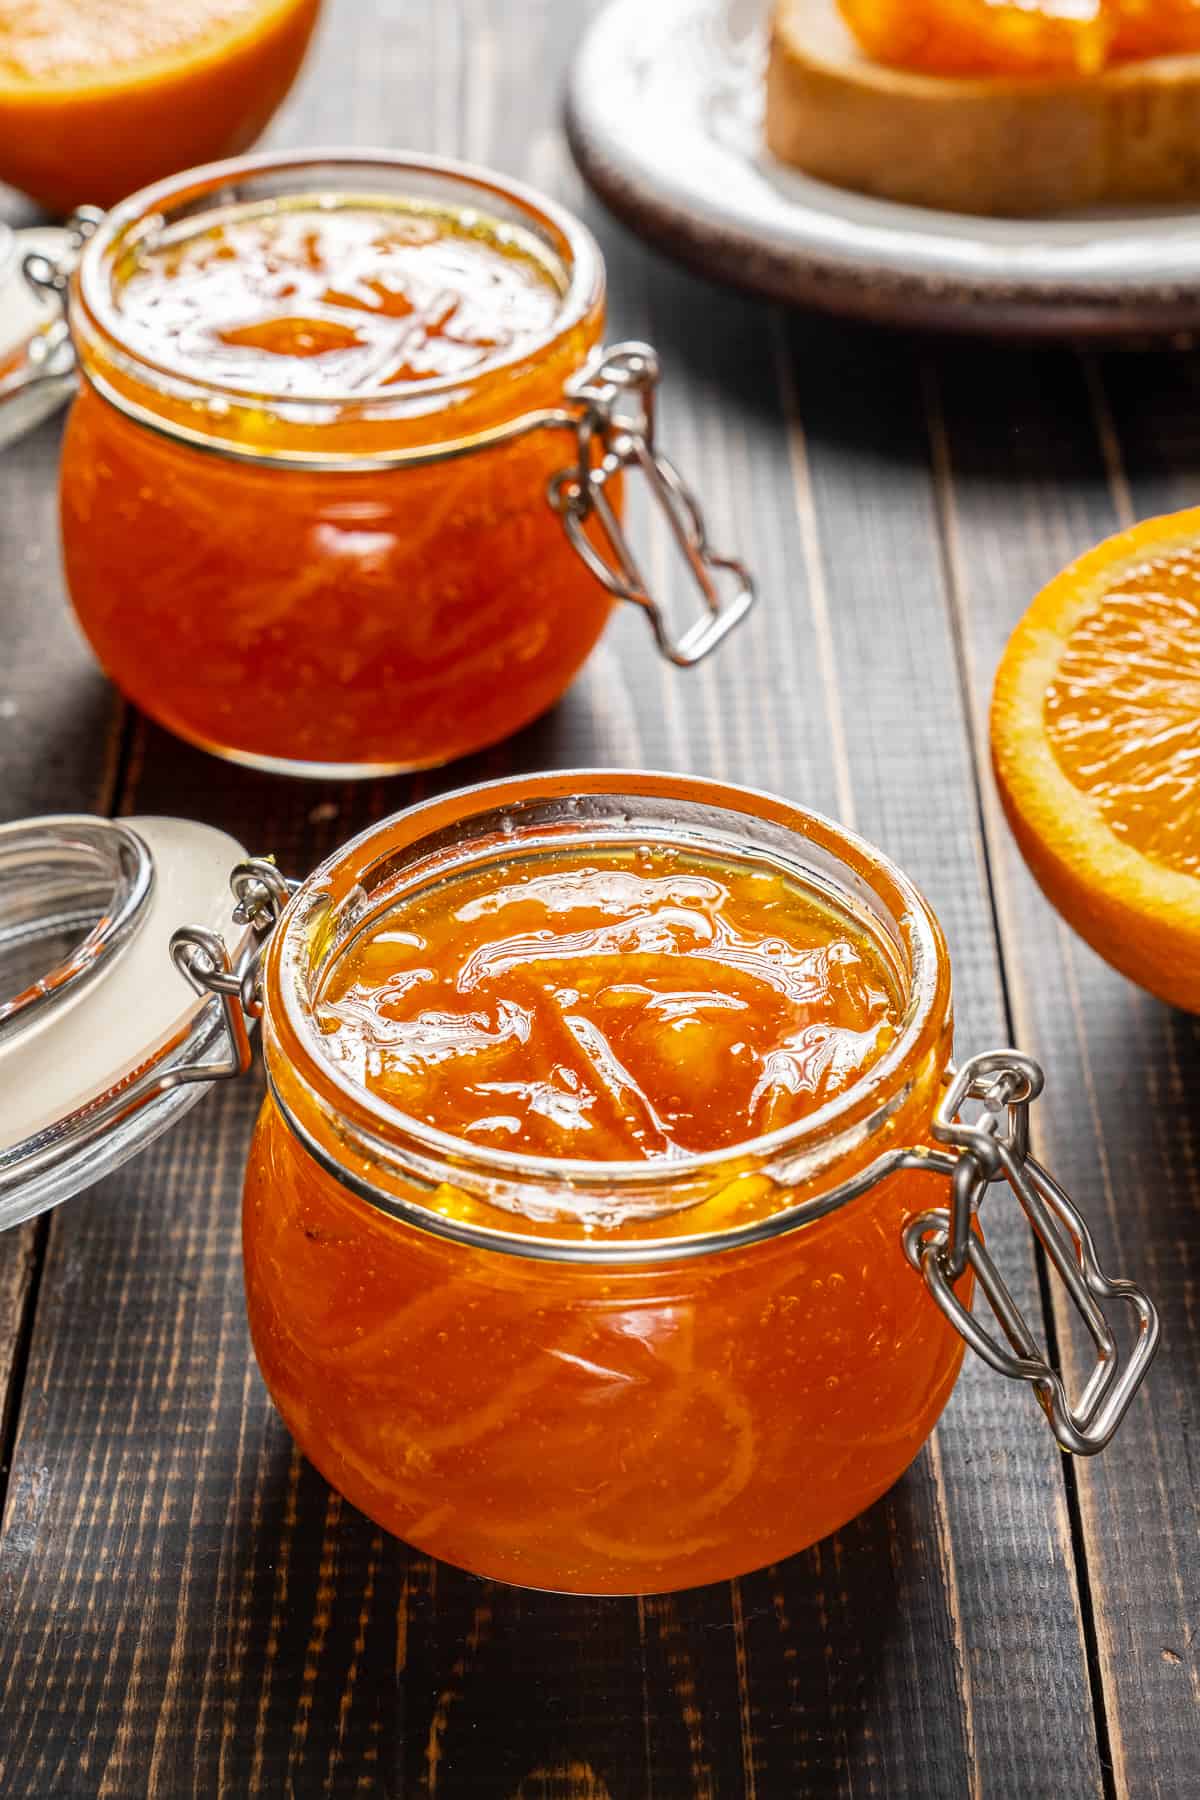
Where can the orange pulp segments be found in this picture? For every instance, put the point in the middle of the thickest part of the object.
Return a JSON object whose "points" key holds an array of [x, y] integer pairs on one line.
{"points": [[1096, 743]]}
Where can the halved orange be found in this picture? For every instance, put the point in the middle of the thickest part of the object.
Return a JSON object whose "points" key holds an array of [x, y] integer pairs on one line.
{"points": [[1096, 744], [99, 97]]}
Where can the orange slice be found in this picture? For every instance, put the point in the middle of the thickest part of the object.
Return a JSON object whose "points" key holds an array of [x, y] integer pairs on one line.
{"points": [[100, 97], [1096, 743]]}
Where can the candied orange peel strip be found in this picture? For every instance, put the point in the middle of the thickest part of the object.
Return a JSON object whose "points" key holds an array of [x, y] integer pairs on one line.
{"points": [[1020, 37]]}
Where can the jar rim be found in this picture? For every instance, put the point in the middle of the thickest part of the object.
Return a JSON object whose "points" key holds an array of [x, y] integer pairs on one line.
{"points": [[566, 234], [851, 1118]]}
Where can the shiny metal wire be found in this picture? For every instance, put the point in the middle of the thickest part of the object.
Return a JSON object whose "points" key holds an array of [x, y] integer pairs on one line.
{"points": [[943, 1244], [62, 873]]}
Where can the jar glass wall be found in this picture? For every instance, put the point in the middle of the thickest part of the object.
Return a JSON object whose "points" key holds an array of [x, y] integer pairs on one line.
{"points": [[597, 1377], [328, 583]]}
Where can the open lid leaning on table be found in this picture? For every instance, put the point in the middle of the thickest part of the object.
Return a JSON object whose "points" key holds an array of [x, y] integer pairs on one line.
{"points": [[102, 1044]]}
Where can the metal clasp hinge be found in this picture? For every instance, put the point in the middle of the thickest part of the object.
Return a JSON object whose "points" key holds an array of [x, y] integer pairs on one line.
{"points": [[43, 374], [942, 1245], [50, 356], [203, 959], [52, 274], [615, 431]]}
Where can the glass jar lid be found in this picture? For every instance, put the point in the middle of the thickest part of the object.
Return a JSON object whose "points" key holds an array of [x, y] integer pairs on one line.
{"points": [[98, 1039]]}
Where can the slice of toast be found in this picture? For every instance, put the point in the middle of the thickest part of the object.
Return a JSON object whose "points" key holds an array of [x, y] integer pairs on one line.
{"points": [[1019, 146]]}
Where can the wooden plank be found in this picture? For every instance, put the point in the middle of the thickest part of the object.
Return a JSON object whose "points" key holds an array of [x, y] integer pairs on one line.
{"points": [[521, 1691], [1038, 461], [20, 1255], [996, 1531]]}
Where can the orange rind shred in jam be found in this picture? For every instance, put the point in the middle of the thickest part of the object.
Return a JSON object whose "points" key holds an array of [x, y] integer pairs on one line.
{"points": [[1020, 37], [622, 1008]]}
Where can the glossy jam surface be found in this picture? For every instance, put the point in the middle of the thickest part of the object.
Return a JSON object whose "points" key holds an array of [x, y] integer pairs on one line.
{"points": [[617, 1005], [338, 300], [1020, 37], [100, 97], [331, 618], [597, 1425]]}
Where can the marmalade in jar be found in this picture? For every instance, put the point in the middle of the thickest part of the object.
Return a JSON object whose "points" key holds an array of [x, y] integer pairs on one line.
{"points": [[602, 1042], [645, 1004], [265, 540]]}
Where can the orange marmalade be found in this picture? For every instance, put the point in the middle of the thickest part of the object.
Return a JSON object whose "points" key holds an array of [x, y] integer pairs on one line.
{"points": [[550, 1263], [281, 534], [645, 1003], [353, 298], [99, 97], [1020, 37]]}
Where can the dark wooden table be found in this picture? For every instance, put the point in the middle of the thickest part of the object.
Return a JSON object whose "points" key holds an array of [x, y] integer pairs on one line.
{"points": [[185, 1606]]}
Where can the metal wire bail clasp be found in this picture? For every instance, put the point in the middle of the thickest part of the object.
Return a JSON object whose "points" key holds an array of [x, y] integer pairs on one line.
{"points": [[51, 354], [615, 431], [943, 1245], [42, 375], [53, 273], [203, 959]]}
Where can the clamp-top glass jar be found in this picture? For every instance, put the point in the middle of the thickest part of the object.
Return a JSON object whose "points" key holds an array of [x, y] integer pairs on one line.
{"points": [[341, 489], [618, 1378], [607, 1376]]}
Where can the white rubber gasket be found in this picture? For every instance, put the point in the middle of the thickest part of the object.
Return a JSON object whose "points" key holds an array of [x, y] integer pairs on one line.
{"points": [[89, 1044]]}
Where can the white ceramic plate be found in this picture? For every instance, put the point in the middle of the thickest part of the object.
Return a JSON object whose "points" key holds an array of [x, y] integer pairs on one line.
{"points": [[664, 117]]}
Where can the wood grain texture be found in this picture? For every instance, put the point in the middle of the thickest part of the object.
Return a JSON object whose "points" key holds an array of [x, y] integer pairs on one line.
{"points": [[1002, 1541], [185, 1607], [1042, 456]]}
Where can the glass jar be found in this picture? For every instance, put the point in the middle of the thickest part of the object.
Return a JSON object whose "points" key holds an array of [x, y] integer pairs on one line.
{"points": [[596, 1377], [70, 134], [359, 583]]}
